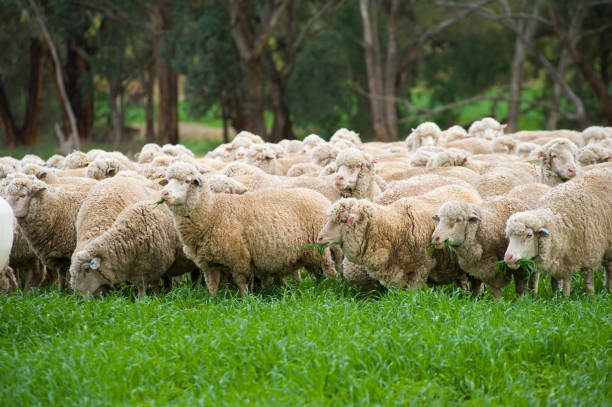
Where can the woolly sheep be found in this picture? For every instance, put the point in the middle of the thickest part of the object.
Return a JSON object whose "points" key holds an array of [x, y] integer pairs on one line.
{"points": [[7, 281], [222, 184], [49, 176], [527, 150], [486, 128], [240, 146], [176, 150], [356, 175], [304, 169], [346, 135], [106, 167], [473, 145], [140, 247], [571, 230], [558, 162], [329, 169], [324, 154], [528, 193], [422, 154], [595, 134], [453, 133], [476, 233], [291, 146], [55, 160], [451, 157], [46, 214], [390, 241], [310, 142], [74, 160], [593, 154], [32, 159], [417, 185], [504, 144], [253, 137], [252, 235], [425, 134]]}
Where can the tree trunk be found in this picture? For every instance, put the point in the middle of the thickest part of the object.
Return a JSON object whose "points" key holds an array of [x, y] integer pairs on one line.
{"points": [[373, 71], [391, 73], [149, 80], [281, 127], [115, 115], [516, 78], [167, 110], [28, 133], [554, 113], [255, 120], [591, 76], [80, 90]]}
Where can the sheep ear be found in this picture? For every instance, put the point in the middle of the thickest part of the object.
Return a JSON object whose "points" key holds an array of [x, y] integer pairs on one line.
{"points": [[474, 217], [352, 218], [229, 148], [43, 174], [111, 171], [197, 182], [37, 190], [163, 182], [436, 218], [464, 160], [543, 232], [94, 264]]}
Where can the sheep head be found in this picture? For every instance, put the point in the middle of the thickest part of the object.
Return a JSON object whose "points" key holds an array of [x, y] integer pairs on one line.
{"points": [[86, 276], [354, 167], [182, 186], [455, 221], [559, 156], [529, 235], [21, 191], [342, 214]]}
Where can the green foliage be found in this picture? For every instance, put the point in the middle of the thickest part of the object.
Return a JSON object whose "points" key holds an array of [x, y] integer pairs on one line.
{"points": [[447, 245], [527, 265], [317, 248], [315, 344]]}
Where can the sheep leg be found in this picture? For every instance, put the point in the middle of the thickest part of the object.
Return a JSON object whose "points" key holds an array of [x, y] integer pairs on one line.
{"points": [[495, 292], [555, 284], [141, 290], [520, 282], [267, 281], [476, 286], [567, 285], [589, 283], [61, 280], [296, 275], [212, 276], [241, 281], [534, 281]]}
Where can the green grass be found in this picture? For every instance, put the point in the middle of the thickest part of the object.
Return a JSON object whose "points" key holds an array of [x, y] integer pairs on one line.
{"points": [[315, 344]]}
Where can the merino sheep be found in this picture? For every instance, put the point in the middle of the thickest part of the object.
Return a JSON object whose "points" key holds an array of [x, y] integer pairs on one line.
{"points": [[8, 282], [324, 154], [291, 146], [452, 157], [346, 135], [486, 128], [528, 193], [593, 154], [46, 214], [422, 155], [527, 150], [301, 169], [356, 175], [504, 144], [253, 235], [140, 247], [390, 241], [571, 230], [50, 176], [417, 185], [74, 160], [55, 160], [558, 161], [473, 145], [595, 134], [425, 134], [476, 233], [310, 142], [453, 133], [106, 167]]}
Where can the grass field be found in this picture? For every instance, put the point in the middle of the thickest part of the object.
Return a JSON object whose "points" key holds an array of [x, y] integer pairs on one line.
{"points": [[315, 344]]}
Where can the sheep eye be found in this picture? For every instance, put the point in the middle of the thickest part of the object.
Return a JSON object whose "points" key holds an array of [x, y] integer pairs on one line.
{"points": [[529, 234], [187, 181]]}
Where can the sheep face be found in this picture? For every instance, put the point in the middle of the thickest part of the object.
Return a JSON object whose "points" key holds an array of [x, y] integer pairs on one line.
{"points": [[20, 197], [86, 275], [454, 221], [346, 177], [182, 187], [343, 218], [562, 162], [76, 159], [260, 156], [103, 168], [529, 237]]}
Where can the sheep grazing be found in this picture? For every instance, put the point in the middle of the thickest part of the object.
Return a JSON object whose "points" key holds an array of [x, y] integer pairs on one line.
{"points": [[557, 162], [140, 247], [486, 128], [356, 175], [571, 230], [46, 215], [390, 241], [593, 154], [252, 235], [476, 233], [8, 282], [425, 134]]}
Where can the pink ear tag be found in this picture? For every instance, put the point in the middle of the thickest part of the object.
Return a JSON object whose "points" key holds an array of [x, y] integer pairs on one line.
{"points": [[375, 161], [349, 220], [540, 154]]}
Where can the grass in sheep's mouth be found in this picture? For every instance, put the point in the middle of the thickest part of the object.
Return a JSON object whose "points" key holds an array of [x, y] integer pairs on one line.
{"points": [[157, 203], [528, 265], [318, 248], [446, 245]]}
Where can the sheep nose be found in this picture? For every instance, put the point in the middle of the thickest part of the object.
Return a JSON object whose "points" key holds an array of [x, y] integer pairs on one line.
{"points": [[320, 239], [509, 258], [165, 194], [436, 239], [572, 171]]}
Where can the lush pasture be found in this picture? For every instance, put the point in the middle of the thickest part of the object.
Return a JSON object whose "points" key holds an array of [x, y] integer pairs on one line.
{"points": [[314, 344]]}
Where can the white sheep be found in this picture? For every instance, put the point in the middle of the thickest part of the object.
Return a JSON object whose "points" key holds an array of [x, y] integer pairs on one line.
{"points": [[253, 235], [486, 128], [8, 282], [425, 134], [557, 161]]}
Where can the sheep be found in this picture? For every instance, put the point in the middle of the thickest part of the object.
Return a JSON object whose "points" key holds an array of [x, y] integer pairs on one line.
{"points": [[528, 193], [291, 146], [324, 154], [486, 128], [425, 134], [356, 175], [595, 134], [329, 169], [32, 159], [304, 169], [543, 136], [106, 167], [498, 182], [147, 153], [422, 154], [30, 272], [253, 137], [8, 282], [240, 146], [593, 154], [176, 150], [140, 247], [390, 241], [473, 145], [451, 157], [55, 160], [219, 183], [504, 144], [527, 149], [557, 162], [417, 185], [262, 156], [346, 135], [476, 233], [49, 176], [211, 163], [310, 142], [463, 173], [46, 214], [571, 230], [5, 170], [74, 160], [252, 235], [453, 133]]}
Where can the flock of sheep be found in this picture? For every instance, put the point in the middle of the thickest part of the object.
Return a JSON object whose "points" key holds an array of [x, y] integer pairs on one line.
{"points": [[442, 207]]}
